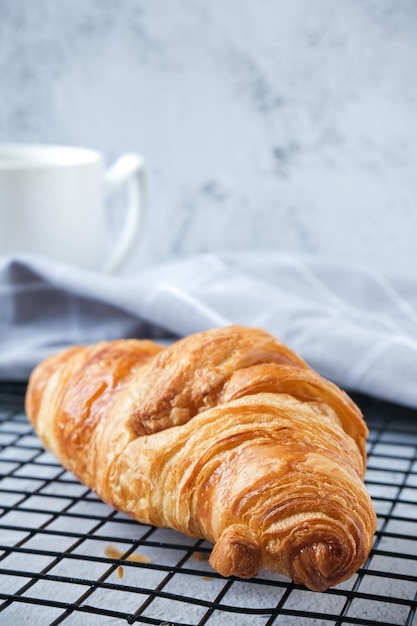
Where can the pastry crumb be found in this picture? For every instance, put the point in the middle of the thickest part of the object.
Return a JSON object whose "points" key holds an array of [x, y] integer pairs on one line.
{"points": [[113, 553]]}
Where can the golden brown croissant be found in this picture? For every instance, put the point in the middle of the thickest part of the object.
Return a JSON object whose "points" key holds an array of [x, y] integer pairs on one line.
{"points": [[226, 435]]}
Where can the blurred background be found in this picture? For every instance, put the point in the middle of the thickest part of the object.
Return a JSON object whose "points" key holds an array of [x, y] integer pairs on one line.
{"points": [[266, 124]]}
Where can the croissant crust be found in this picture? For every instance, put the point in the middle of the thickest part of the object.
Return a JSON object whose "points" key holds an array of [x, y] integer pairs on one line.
{"points": [[226, 435]]}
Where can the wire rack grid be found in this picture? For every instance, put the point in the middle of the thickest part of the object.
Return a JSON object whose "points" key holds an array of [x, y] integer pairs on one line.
{"points": [[67, 558]]}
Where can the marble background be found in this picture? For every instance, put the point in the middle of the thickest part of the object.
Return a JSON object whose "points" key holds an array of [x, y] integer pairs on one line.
{"points": [[267, 124]]}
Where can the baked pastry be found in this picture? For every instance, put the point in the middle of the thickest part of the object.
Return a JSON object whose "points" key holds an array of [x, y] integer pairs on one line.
{"points": [[227, 435]]}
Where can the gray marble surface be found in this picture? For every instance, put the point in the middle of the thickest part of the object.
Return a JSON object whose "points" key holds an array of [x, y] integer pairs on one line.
{"points": [[267, 124]]}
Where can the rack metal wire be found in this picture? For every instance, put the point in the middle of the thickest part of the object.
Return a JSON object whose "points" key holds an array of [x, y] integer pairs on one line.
{"points": [[67, 558]]}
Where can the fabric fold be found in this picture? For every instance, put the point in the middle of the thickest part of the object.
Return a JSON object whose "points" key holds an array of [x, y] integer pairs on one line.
{"points": [[351, 323]]}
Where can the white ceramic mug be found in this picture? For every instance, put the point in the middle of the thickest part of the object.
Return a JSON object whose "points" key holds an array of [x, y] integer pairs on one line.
{"points": [[52, 203]]}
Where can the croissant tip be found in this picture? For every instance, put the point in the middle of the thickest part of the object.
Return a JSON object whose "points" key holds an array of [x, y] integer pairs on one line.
{"points": [[236, 553], [318, 566]]}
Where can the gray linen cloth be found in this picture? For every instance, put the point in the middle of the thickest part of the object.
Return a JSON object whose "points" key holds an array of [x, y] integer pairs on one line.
{"points": [[351, 323]]}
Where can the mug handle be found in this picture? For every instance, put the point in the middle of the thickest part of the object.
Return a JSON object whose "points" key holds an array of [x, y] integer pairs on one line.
{"points": [[128, 169]]}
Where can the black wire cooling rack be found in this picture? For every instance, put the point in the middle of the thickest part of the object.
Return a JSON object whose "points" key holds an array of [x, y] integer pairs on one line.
{"points": [[66, 558]]}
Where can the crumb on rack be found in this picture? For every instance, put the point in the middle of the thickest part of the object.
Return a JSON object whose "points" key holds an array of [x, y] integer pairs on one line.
{"points": [[113, 553]]}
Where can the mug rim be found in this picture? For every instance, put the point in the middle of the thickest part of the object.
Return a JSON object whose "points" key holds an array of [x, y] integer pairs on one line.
{"points": [[49, 155]]}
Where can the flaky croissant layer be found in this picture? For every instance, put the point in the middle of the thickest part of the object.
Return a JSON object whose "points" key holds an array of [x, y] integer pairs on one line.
{"points": [[226, 435]]}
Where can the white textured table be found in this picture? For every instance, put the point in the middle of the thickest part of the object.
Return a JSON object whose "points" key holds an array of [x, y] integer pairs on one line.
{"points": [[267, 124]]}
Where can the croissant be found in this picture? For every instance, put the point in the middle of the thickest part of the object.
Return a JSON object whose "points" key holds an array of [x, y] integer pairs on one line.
{"points": [[225, 435]]}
